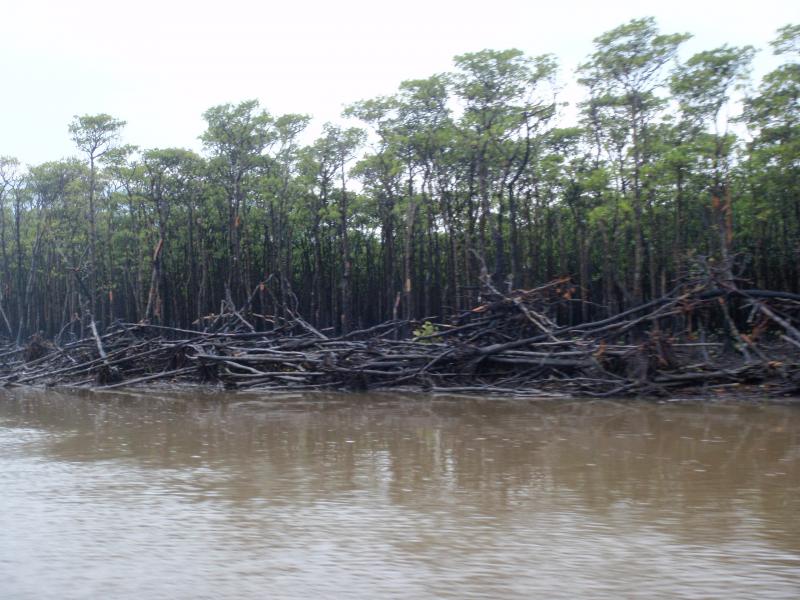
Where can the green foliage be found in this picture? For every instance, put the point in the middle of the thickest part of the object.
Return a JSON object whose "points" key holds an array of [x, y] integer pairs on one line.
{"points": [[424, 330], [451, 174], [788, 40], [95, 134], [703, 85], [629, 59]]}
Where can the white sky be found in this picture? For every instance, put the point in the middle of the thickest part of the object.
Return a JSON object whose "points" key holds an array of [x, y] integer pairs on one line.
{"points": [[159, 64]]}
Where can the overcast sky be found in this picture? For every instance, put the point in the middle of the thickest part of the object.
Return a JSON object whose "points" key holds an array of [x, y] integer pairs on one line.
{"points": [[159, 64]]}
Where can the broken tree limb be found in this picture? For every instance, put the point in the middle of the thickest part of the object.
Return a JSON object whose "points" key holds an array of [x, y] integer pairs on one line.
{"points": [[510, 344]]}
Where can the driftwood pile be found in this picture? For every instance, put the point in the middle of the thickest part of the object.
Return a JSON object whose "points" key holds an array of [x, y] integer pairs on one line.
{"points": [[696, 338]]}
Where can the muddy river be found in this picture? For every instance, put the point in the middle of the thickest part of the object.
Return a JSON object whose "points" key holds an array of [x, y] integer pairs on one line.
{"points": [[200, 495]]}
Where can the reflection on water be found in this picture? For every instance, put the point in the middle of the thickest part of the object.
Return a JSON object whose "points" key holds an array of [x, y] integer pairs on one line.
{"points": [[208, 496]]}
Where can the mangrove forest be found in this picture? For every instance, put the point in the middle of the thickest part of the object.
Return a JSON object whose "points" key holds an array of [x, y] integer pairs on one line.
{"points": [[466, 195]]}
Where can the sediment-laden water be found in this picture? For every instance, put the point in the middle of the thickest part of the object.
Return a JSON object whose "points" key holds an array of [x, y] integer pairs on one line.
{"points": [[192, 495]]}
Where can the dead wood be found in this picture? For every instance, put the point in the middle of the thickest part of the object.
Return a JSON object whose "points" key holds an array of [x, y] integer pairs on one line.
{"points": [[509, 344]]}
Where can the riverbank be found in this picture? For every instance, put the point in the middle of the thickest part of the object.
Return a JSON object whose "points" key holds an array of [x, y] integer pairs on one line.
{"points": [[687, 343]]}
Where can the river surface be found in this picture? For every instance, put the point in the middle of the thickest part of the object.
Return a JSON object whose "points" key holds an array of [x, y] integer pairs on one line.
{"points": [[197, 495]]}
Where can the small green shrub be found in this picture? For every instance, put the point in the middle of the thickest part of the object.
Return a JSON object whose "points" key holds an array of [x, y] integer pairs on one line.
{"points": [[427, 328]]}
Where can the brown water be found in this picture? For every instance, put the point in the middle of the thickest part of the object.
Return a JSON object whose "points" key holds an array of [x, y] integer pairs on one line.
{"points": [[199, 496]]}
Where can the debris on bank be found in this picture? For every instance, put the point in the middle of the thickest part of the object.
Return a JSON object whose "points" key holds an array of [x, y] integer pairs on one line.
{"points": [[696, 338]]}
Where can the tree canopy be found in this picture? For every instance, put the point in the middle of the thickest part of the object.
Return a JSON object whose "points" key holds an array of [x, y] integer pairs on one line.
{"points": [[671, 166]]}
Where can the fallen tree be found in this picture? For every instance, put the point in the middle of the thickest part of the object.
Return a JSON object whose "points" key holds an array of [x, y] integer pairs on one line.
{"points": [[697, 337]]}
